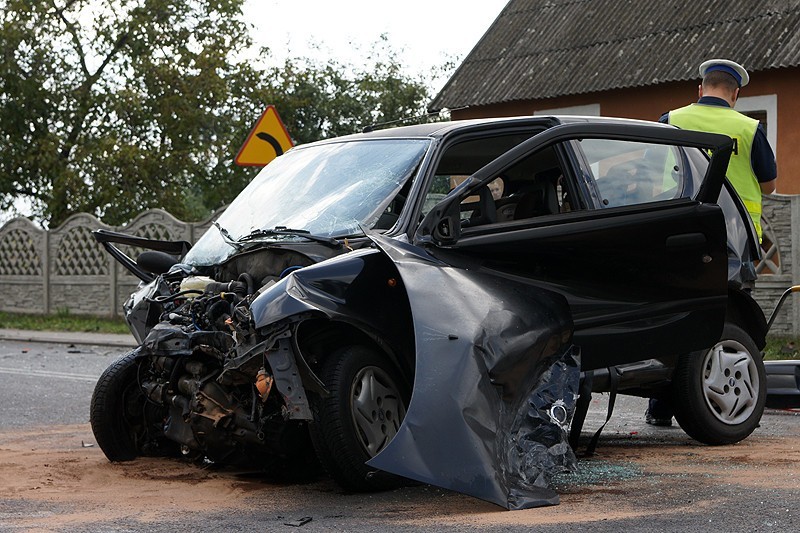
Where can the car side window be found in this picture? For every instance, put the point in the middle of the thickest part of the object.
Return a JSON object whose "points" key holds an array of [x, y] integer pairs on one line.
{"points": [[536, 186], [630, 173], [533, 187], [462, 159], [438, 189]]}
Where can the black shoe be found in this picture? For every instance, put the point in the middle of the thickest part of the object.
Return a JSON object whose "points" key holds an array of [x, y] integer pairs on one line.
{"points": [[653, 421]]}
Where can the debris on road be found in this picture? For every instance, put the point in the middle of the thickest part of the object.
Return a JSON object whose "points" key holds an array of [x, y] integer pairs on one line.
{"points": [[299, 522]]}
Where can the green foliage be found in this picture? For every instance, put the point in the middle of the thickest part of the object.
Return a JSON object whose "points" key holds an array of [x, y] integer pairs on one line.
{"points": [[115, 106]]}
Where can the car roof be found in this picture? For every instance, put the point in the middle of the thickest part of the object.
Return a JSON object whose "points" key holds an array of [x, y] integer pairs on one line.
{"points": [[441, 129]]}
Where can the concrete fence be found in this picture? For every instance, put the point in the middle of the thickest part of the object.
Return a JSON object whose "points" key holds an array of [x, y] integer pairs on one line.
{"points": [[65, 269], [780, 267]]}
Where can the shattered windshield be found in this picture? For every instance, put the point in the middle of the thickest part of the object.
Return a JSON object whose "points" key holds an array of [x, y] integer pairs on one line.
{"points": [[324, 190]]}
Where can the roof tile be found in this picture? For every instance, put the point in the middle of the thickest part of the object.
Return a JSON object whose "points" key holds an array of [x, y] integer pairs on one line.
{"points": [[545, 48]]}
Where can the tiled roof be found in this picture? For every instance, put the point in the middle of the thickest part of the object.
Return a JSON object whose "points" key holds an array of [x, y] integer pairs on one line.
{"points": [[545, 48]]}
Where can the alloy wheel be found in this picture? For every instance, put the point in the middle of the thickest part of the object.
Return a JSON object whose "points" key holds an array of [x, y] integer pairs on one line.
{"points": [[730, 382], [376, 407]]}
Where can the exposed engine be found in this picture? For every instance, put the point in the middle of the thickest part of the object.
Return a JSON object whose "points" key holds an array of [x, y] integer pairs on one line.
{"points": [[206, 370], [207, 384]]}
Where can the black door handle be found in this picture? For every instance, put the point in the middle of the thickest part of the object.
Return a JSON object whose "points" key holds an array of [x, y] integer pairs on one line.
{"points": [[686, 240]]}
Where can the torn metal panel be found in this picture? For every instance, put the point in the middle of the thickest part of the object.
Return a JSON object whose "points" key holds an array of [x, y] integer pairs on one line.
{"points": [[326, 288], [536, 444], [480, 420], [359, 288]]}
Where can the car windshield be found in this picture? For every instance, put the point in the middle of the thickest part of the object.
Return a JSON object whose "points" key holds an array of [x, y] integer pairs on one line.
{"points": [[330, 189]]}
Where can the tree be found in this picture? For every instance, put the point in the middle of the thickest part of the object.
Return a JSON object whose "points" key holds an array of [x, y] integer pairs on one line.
{"points": [[322, 99], [115, 106]]}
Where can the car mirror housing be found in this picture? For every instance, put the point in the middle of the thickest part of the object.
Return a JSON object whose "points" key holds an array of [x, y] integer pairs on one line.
{"points": [[442, 225], [447, 230]]}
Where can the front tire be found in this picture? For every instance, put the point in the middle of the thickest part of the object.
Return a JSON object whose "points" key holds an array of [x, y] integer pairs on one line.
{"points": [[359, 418], [719, 394], [124, 423]]}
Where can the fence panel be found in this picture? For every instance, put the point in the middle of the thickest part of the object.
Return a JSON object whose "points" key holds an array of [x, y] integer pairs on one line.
{"points": [[65, 269], [23, 272], [780, 267]]}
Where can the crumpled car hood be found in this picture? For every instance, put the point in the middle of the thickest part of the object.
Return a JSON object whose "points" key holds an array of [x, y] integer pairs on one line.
{"points": [[495, 385]]}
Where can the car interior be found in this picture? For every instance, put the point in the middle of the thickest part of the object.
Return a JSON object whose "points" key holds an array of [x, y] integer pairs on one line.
{"points": [[534, 187]]}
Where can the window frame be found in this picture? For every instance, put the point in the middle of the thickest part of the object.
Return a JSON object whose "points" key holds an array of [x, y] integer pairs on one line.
{"points": [[769, 104]]}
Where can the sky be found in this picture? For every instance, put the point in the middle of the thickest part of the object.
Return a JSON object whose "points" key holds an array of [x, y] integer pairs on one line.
{"points": [[424, 33]]}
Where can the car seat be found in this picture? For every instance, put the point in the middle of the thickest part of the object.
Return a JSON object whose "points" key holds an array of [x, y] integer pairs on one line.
{"points": [[540, 200]]}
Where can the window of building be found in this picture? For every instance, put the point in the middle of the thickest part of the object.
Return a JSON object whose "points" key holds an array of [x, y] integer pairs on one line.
{"points": [[765, 110]]}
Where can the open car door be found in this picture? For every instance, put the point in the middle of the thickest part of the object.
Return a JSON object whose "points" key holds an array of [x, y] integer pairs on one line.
{"points": [[633, 239]]}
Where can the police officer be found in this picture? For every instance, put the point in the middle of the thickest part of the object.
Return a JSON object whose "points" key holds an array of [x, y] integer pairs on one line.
{"points": [[752, 170]]}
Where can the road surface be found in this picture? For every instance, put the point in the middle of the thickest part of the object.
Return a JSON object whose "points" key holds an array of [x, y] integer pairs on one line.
{"points": [[54, 478]]}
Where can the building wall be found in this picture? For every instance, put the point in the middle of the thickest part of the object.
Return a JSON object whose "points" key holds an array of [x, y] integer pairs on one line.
{"points": [[649, 103]]}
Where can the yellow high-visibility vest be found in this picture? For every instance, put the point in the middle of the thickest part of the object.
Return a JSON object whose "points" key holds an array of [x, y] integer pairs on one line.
{"points": [[742, 129]]}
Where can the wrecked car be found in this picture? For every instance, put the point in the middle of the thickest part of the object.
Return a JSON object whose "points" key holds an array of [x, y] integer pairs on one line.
{"points": [[436, 302]]}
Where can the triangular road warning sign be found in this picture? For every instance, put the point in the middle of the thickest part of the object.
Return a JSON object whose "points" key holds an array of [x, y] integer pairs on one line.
{"points": [[267, 140]]}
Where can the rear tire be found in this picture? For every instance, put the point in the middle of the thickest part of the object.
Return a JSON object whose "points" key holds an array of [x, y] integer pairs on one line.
{"points": [[359, 418], [124, 423], [719, 394]]}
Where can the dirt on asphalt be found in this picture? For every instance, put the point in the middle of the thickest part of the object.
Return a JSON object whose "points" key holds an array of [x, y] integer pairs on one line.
{"points": [[56, 479]]}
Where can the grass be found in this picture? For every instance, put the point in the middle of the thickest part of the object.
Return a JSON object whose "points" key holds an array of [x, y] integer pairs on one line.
{"points": [[779, 348], [63, 321]]}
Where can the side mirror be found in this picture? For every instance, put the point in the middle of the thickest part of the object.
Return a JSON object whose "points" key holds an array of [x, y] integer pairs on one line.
{"points": [[448, 227], [442, 225]]}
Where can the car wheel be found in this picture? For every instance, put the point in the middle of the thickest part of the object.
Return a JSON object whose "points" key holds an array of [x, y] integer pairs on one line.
{"points": [[719, 394], [360, 416], [124, 423]]}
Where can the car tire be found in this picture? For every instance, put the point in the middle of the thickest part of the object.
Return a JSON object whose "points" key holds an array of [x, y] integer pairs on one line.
{"points": [[123, 422], [359, 417], [719, 394]]}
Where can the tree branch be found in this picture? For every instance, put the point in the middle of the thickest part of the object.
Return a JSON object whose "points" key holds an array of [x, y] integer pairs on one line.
{"points": [[85, 88], [121, 40], [73, 32], [24, 191]]}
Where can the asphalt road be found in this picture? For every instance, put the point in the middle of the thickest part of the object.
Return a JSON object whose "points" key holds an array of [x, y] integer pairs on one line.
{"points": [[46, 383], [641, 479]]}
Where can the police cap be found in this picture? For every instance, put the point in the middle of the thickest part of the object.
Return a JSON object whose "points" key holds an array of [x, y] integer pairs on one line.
{"points": [[734, 69]]}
